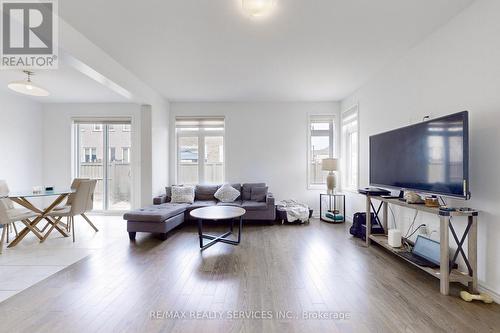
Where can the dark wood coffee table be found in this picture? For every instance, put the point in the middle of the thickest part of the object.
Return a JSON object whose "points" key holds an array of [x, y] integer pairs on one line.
{"points": [[218, 213]]}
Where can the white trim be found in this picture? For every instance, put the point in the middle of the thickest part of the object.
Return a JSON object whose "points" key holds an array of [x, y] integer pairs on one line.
{"points": [[493, 294], [351, 111], [333, 147]]}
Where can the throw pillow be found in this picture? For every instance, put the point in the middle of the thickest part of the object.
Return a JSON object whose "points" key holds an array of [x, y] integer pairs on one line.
{"points": [[227, 193], [258, 194], [182, 194]]}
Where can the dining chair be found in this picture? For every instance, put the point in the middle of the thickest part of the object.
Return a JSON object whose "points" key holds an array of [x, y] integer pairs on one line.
{"points": [[79, 205], [90, 205], [4, 191], [74, 186], [9, 214]]}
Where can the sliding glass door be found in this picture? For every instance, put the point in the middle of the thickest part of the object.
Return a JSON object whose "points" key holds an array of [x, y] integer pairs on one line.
{"points": [[102, 152]]}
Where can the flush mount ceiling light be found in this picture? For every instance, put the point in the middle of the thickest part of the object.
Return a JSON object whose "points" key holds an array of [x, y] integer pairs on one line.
{"points": [[258, 8], [27, 87]]}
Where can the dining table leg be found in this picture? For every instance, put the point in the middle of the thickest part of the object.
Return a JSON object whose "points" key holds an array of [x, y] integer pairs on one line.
{"points": [[42, 215]]}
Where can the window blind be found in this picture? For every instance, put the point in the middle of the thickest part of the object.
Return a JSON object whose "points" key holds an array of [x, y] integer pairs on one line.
{"points": [[104, 121], [198, 122]]}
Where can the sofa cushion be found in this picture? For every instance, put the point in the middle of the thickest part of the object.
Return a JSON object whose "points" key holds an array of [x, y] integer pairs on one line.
{"points": [[258, 194], [246, 190], [227, 193], [182, 194], [236, 203], [237, 187], [168, 192], [205, 192], [156, 213], [201, 204], [253, 205]]}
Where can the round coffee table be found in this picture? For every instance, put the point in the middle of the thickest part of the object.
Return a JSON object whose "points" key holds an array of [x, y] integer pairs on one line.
{"points": [[218, 213]]}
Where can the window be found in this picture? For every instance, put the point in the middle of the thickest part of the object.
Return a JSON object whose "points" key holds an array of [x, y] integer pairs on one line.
{"points": [[126, 154], [126, 128], [89, 155], [112, 154], [98, 153], [350, 169], [200, 150], [321, 146]]}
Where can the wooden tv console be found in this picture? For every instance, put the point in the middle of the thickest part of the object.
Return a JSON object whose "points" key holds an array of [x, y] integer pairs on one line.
{"points": [[445, 273]]}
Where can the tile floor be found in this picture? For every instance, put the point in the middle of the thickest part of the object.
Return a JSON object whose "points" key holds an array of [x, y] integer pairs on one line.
{"points": [[31, 261]]}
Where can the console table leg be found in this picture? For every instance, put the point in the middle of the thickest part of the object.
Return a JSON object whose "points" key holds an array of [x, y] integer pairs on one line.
{"points": [[385, 220], [444, 275], [368, 220], [472, 253]]}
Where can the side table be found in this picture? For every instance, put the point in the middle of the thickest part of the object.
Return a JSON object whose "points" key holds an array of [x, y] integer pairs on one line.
{"points": [[335, 215]]}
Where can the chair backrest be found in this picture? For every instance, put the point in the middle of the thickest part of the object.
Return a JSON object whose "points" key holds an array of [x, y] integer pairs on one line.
{"points": [[4, 194], [74, 186], [90, 199], [4, 217], [80, 199], [5, 202]]}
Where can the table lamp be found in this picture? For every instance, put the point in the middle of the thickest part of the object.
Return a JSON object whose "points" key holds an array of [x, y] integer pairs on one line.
{"points": [[330, 164]]}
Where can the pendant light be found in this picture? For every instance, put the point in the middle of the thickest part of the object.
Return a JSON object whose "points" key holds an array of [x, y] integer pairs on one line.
{"points": [[27, 87], [257, 7]]}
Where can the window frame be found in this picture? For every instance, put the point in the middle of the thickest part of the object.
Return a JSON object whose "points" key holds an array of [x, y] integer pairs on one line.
{"points": [[351, 112], [127, 149], [332, 132], [112, 154], [201, 132], [90, 150]]}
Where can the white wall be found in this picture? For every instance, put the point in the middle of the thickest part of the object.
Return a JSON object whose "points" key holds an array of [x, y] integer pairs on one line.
{"points": [[57, 144], [159, 126], [457, 68], [20, 142], [265, 142]]}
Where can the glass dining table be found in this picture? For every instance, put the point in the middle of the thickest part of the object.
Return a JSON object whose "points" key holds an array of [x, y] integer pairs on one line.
{"points": [[23, 199]]}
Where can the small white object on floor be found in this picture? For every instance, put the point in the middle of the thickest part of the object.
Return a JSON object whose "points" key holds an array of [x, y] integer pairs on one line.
{"points": [[295, 210]]}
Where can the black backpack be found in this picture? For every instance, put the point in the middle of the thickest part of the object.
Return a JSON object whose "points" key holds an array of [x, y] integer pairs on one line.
{"points": [[358, 228]]}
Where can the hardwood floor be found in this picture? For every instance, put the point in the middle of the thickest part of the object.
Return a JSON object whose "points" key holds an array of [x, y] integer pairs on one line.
{"points": [[306, 270]]}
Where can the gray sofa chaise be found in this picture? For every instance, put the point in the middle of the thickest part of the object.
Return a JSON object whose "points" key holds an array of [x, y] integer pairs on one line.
{"points": [[164, 216]]}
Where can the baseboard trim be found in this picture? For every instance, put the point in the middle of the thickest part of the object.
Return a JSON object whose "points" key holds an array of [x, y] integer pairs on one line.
{"points": [[494, 295]]}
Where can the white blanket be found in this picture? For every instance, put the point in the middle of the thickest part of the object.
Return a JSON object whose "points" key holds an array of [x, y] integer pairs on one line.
{"points": [[295, 210]]}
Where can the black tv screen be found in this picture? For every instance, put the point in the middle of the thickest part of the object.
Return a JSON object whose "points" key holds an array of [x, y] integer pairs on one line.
{"points": [[432, 156]]}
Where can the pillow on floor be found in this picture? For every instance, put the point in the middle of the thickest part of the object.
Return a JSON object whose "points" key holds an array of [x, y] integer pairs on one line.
{"points": [[182, 194], [227, 193]]}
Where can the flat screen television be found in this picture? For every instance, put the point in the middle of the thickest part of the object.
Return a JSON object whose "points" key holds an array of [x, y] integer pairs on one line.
{"points": [[430, 157]]}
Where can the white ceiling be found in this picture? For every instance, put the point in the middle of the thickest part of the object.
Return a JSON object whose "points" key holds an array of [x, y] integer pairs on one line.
{"points": [[210, 51], [66, 85]]}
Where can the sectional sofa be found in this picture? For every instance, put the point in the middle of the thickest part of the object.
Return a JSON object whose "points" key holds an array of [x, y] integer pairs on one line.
{"points": [[163, 215]]}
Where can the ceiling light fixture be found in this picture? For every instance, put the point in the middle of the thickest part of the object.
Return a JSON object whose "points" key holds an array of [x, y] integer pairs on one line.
{"points": [[258, 8], [27, 87]]}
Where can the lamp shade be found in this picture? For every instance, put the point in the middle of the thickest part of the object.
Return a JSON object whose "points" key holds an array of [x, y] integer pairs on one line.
{"points": [[329, 164], [27, 87]]}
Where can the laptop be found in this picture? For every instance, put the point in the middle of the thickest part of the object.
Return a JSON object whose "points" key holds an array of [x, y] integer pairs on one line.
{"points": [[426, 252]]}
